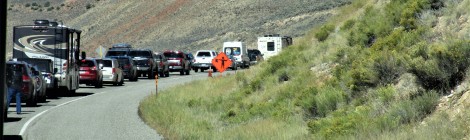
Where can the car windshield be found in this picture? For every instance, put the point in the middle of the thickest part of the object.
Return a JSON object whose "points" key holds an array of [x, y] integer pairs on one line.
{"points": [[140, 54], [203, 54], [116, 53], [87, 63]]}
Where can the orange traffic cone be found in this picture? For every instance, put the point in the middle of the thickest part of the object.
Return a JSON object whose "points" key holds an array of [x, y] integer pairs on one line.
{"points": [[210, 72]]}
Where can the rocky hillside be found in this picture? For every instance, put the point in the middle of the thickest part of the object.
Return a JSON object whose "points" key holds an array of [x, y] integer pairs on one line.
{"points": [[182, 24]]}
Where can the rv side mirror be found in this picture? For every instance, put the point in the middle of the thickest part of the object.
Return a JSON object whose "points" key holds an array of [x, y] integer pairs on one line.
{"points": [[83, 55], [101, 66]]}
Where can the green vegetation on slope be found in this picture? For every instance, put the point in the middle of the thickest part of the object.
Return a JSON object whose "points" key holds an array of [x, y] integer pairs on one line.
{"points": [[377, 70]]}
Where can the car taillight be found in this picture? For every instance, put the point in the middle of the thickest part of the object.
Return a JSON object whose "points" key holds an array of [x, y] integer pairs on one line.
{"points": [[93, 69], [26, 78], [127, 66], [114, 70], [64, 66]]}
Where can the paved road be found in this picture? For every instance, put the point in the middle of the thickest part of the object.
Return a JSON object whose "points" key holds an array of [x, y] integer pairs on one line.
{"points": [[105, 113]]}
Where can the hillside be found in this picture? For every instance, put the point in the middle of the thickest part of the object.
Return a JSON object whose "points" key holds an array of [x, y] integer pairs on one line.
{"points": [[181, 24], [378, 69]]}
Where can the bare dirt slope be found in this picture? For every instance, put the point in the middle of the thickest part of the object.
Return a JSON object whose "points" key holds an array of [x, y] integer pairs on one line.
{"points": [[182, 24]]}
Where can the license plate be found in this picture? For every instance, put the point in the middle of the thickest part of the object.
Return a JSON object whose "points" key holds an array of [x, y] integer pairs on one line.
{"points": [[204, 65], [171, 67]]}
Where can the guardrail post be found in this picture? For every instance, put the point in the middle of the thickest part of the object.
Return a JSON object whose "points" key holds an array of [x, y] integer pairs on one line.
{"points": [[156, 84]]}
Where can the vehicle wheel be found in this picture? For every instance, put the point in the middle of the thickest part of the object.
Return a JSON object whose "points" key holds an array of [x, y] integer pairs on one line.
{"points": [[202, 70], [151, 75], [195, 70], [167, 74], [188, 71], [121, 82], [161, 74], [32, 102], [99, 84], [182, 72]]}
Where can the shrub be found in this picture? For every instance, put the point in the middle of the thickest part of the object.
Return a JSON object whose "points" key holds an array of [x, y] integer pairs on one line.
{"points": [[50, 8], [324, 32], [388, 66], [348, 24], [27, 5], [327, 100], [89, 6], [47, 4], [34, 4]]}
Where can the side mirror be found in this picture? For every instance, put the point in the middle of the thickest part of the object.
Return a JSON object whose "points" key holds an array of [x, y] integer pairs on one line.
{"points": [[83, 55], [101, 66], [55, 70]]}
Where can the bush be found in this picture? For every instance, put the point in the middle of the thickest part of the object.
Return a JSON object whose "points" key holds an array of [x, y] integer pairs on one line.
{"points": [[328, 100], [50, 8], [89, 6], [47, 4], [324, 32], [348, 24], [27, 5], [443, 67]]}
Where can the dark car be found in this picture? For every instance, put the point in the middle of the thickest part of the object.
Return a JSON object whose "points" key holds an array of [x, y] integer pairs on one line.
{"points": [[90, 73], [120, 49], [145, 62], [163, 65], [28, 86], [178, 62], [128, 67], [255, 56], [40, 83]]}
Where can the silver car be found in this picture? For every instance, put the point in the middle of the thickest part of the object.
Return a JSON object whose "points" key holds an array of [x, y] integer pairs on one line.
{"points": [[112, 73]]}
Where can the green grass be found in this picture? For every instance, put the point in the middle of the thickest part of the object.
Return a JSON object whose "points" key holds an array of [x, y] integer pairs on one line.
{"points": [[380, 76]]}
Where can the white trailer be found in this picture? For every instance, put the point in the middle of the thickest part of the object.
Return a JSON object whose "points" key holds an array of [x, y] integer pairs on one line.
{"points": [[271, 45]]}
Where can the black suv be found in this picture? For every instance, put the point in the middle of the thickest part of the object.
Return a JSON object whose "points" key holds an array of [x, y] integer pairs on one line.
{"points": [[120, 49], [145, 61], [255, 56]]}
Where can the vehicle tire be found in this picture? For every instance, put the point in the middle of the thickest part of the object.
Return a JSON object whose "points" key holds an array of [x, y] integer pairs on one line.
{"points": [[161, 74], [121, 82], [32, 102], [202, 70], [195, 70], [182, 72], [150, 75], [188, 71], [167, 74], [99, 84]]}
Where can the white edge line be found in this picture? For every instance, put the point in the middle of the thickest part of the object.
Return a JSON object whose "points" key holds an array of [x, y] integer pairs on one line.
{"points": [[25, 126]]}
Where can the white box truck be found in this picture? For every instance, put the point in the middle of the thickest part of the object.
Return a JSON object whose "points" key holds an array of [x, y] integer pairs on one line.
{"points": [[238, 52], [271, 45]]}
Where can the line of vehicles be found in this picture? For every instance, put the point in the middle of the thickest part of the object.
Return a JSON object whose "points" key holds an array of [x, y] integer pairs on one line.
{"points": [[49, 55]]}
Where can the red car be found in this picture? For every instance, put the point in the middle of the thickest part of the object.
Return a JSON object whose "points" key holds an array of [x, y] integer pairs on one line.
{"points": [[178, 62], [28, 85], [90, 73]]}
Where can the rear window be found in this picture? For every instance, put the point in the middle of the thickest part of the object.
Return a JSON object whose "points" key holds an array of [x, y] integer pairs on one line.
{"points": [[107, 63], [87, 63], [140, 54], [116, 53], [204, 54], [123, 62], [173, 55]]}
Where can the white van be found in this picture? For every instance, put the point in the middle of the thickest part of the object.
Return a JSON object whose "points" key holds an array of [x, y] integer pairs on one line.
{"points": [[271, 45], [238, 51]]}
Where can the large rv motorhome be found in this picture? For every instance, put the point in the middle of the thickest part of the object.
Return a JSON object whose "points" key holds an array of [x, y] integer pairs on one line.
{"points": [[49, 40], [271, 45]]}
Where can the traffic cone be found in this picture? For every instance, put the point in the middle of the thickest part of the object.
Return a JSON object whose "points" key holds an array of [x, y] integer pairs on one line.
{"points": [[210, 72]]}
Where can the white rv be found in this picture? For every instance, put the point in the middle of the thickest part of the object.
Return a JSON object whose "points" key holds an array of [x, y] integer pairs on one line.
{"points": [[271, 45], [238, 51]]}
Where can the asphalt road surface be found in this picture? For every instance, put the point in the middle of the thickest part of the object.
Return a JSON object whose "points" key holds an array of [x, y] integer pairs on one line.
{"points": [[108, 113]]}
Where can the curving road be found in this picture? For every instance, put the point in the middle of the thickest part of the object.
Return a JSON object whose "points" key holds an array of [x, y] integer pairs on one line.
{"points": [[105, 113]]}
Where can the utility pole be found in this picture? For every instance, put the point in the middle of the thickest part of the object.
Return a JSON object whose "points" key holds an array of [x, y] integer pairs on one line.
{"points": [[3, 32]]}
